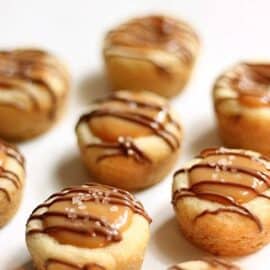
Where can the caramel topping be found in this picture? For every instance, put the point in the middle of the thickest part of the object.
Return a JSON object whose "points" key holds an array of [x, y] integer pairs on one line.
{"points": [[9, 151], [89, 216], [37, 67], [252, 82], [229, 177], [156, 32], [131, 118]]}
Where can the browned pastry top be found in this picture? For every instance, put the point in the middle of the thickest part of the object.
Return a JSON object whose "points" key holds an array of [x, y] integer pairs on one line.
{"points": [[158, 32], [90, 215], [214, 264], [9, 151], [229, 177], [23, 68], [251, 81], [132, 117]]}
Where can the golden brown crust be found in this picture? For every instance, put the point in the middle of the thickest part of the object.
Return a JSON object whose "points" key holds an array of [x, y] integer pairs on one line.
{"points": [[221, 200], [141, 147], [90, 226], [12, 181], [241, 100], [154, 52], [34, 86]]}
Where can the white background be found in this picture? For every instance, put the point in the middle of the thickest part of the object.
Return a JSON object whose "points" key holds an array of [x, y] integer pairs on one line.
{"points": [[230, 30]]}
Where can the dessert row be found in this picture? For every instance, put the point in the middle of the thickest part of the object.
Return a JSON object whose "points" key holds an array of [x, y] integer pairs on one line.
{"points": [[156, 53], [130, 140], [221, 200]]}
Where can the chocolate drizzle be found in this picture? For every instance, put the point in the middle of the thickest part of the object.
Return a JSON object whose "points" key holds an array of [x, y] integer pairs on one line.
{"points": [[213, 263], [91, 266], [224, 191], [96, 193], [30, 66], [11, 152], [125, 145], [156, 32], [250, 81]]}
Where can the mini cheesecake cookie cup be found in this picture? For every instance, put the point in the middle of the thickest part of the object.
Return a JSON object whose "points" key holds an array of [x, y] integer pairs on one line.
{"points": [[221, 200]]}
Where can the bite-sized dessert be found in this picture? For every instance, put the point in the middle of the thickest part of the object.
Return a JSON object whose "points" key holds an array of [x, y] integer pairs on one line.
{"points": [[129, 140], [205, 264], [154, 52], [91, 227], [33, 91], [12, 176], [222, 201], [242, 105]]}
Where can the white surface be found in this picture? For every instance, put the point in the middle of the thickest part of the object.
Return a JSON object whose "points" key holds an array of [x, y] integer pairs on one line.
{"points": [[230, 30]]}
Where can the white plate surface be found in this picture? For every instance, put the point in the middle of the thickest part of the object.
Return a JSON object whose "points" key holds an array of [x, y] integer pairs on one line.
{"points": [[231, 30]]}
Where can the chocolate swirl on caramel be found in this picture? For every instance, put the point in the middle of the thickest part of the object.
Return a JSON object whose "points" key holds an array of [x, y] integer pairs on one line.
{"points": [[229, 177], [215, 264], [89, 213], [132, 112], [9, 151], [25, 68], [251, 83], [156, 32]]}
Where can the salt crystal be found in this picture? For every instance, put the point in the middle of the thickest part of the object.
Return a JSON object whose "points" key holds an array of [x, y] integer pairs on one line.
{"points": [[154, 125], [114, 208], [121, 139], [132, 105], [82, 206], [130, 152], [127, 144]]}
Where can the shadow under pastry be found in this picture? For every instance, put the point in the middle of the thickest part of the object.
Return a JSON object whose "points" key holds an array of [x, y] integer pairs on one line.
{"points": [[70, 171], [92, 87], [172, 246]]}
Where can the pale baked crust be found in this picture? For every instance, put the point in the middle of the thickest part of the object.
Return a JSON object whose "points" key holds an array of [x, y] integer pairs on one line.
{"points": [[126, 254], [12, 175], [205, 264], [216, 222], [243, 125], [138, 162], [154, 52], [34, 87]]}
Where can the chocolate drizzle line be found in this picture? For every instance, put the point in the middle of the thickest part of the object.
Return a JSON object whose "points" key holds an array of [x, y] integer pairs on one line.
{"points": [[257, 74], [125, 145], [226, 200], [213, 262], [29, 66], [12, 152], [141, 104], [90, 193], [156, 32], [73, 266]]}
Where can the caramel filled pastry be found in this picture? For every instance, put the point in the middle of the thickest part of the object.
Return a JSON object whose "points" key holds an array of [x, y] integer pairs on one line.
{"points": [[129, 140], [242, 105], [205, 264], [156, 53], [92, 226], [222, 201], [11, 181], [33, 91]]}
